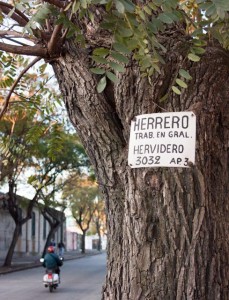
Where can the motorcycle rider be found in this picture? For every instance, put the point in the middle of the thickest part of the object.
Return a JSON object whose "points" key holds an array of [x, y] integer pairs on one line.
{"points": [[52, 261]]}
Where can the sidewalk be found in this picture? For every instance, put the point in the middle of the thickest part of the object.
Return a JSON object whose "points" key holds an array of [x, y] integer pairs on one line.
{"points": [[33, 261]]}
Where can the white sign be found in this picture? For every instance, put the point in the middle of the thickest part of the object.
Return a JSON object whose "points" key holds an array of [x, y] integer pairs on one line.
{"points": [[162, 140]]}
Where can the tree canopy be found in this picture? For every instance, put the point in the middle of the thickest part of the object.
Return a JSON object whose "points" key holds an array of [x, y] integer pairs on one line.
{"points": [[80, 193], [123, 28], [35, 153]]}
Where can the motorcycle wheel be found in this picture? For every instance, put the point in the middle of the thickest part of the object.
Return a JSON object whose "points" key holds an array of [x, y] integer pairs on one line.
{"points": [[51, 288]]}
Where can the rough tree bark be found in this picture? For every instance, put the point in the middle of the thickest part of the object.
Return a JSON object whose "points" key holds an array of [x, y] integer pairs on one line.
{"points": [[167, 227]]}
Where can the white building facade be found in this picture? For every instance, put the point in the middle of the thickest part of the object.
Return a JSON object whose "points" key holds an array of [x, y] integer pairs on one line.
{"points": [[33, 235], [74, 237]]}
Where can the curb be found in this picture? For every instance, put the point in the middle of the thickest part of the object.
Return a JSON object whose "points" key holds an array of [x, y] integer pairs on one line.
{"points": [[6, 270]]}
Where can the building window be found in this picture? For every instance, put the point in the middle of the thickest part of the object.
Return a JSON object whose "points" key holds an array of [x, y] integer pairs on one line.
{"points": [[33, 224], [44, 229]]}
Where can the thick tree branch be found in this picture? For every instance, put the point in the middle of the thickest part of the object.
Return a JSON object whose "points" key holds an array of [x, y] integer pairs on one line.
{"points": [[17, 16], [15, 34], [15, 84], [37, 50], [55, 39]]}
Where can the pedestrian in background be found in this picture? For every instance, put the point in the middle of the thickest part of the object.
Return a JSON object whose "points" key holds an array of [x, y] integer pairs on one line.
{"points": [[52, 243], [61, 248]]}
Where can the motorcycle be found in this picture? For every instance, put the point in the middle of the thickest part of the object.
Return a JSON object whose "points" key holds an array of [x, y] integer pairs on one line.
{"points": [[51, 279]]}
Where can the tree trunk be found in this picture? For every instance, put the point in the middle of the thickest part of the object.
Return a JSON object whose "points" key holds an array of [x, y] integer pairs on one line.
{"points": [[14, 210], [83, 250], [98, 227], [53, 229], [167, 227], [10, 252]]}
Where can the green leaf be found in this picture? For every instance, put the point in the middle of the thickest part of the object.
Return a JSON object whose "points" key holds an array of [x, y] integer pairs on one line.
{"points": [[42, 68], [181, 83], [147, 10], [197, 50], [102, 84], [165, 18], [197, 32], [91, 16], [99, 59], [109, 5], [120, 7], [116, 67], [101, 51], [84, 3], [97, 71], [146, 62], [185, 74], [222, 4], [152, 6], [108, 25], [156, 67], [133, 43], [75, 6], [68, 6], [155, 25], [171, 3], [199, 43], [164, 98], [176, 90], [211, 10], [193, 57], [112, 76], [173, 16], [125, 32], [129, 6], [119, 57], [158, 2], [221, 13], [121, 48], [142, 15]]}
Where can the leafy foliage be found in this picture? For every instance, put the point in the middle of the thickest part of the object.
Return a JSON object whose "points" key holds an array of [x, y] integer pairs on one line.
{"points": [[33, 93], [80, 193], [134, 29]]}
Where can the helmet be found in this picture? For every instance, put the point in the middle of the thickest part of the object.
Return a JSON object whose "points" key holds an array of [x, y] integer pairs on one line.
{"points": [[51, 249]]}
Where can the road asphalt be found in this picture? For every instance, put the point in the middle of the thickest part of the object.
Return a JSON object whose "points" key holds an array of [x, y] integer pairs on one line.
{"points": [[27, 261]]}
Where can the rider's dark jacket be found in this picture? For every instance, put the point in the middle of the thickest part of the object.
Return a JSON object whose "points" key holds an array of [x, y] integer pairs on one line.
{"points": [[51, 261]]}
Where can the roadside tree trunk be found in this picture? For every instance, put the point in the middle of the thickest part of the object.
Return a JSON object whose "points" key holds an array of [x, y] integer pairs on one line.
{"points": [[55, 219], [83, 237], [14, 208], [167, 227], [98, 230], [10, 252]]}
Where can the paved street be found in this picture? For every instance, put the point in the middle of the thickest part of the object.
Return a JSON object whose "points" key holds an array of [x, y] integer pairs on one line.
{"points": [[81, 279]]}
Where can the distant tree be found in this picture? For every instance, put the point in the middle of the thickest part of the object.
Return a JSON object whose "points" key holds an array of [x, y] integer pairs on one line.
{"points": [[17, 153], [99, 219], [54, 217], [31, 145], [70, 157], [80, 193]]}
